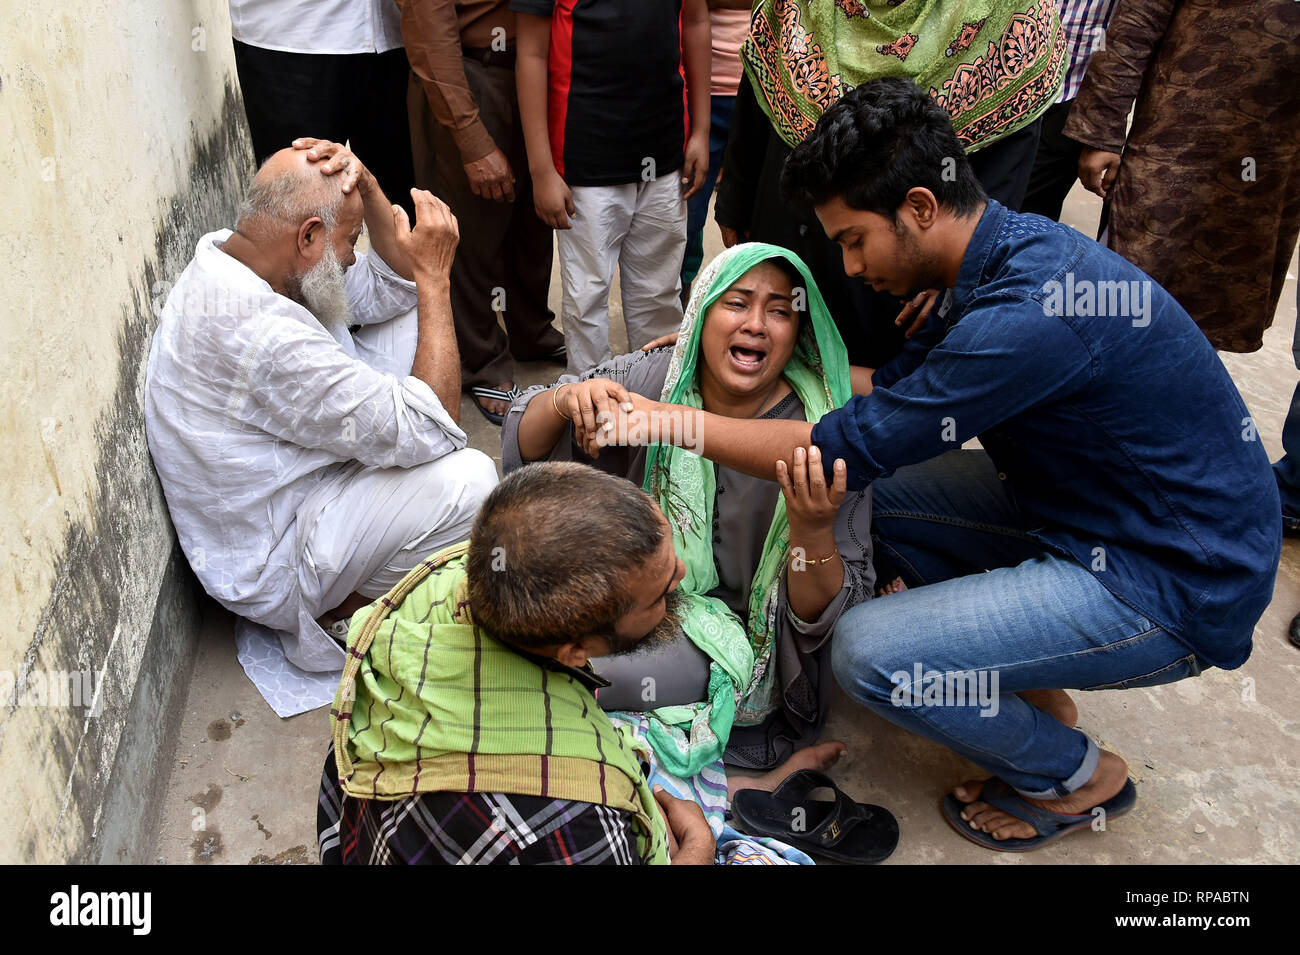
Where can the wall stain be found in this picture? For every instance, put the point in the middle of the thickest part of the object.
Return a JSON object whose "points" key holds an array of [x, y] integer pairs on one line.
{"points": [[102, 558], [49, 465]]}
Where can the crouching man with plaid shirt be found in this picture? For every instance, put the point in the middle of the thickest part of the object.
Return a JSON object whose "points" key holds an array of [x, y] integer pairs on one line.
{"points": [[466, 729]]}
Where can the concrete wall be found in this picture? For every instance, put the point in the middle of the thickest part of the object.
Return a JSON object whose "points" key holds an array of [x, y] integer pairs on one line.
{"points": [[124, 140]]}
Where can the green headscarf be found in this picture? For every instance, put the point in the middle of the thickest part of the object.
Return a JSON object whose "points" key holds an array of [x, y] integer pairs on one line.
{"points": [[994, 65], [688, 738]]}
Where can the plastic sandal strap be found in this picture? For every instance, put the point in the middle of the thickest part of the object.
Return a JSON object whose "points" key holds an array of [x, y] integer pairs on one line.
{"points": [[1044, 821], [846, 813]]}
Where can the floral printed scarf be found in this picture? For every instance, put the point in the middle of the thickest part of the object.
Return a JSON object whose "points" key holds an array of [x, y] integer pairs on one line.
{"points": [[994, 65]]}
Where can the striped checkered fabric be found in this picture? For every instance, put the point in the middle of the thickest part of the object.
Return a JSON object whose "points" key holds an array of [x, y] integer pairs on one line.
{"points": [[428, 703], [468, 829]]}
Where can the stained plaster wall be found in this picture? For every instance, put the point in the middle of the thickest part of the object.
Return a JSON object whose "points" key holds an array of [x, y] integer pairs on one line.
{"points": [[124, 140]]}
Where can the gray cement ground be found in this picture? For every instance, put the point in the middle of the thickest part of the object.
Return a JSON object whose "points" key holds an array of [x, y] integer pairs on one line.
{"points": [[1216, 759]]}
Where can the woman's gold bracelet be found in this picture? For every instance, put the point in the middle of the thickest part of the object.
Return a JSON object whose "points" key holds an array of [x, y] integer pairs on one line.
{"points": [[555, 401], [833, 555]]}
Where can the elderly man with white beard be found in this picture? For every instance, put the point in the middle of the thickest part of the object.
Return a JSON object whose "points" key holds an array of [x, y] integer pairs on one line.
{"points": [[301, 400]]}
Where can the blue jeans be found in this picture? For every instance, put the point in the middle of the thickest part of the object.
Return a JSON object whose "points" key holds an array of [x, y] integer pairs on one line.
{"points": [[1287, 470], [946, 658]]}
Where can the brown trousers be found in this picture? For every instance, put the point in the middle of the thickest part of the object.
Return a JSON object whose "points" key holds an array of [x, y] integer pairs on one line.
{"points": [[503, 261]]}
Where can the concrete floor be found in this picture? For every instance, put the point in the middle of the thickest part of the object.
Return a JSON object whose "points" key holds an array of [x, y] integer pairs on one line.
{"points": [[1216, 759]]}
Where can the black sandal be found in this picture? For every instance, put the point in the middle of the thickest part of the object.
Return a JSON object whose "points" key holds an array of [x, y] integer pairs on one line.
{"points": [[842, 830], [493, 394]]}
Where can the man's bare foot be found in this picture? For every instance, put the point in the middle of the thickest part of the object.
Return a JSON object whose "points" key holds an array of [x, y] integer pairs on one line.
{"points": [[1107, 781], [495, 405], [1053, 702], [895, 586], [820, 757]]}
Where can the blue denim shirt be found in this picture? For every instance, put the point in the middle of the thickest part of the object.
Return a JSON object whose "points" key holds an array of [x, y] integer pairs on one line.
{"points": [[1115, 425]]}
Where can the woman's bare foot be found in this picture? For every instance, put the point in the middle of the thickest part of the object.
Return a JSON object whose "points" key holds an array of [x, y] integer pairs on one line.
{"points": [[1107, 781], [820, 757], [1053, 702], [495, 405], [895, 586]]}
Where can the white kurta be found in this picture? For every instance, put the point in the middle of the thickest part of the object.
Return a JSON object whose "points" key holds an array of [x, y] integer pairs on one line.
{"points": [[251, 406]]}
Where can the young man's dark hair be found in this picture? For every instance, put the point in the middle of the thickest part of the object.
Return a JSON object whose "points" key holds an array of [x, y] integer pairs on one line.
{"points": [[882, 139], [553, 551]]}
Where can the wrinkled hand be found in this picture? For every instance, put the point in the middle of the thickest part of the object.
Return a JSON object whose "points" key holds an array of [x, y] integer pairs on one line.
{"points": [[588, 404], [810, 505], [553, 201], [1098, 170], [690, 840], [696, 167], [634, 423], [660, 342], [731, 237], [337, 159], [431, 245], [491, 177], [918, 309]]}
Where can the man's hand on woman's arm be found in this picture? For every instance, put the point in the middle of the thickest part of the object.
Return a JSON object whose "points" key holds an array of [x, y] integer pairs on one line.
{"points": [[584, 403], [752, 446]]}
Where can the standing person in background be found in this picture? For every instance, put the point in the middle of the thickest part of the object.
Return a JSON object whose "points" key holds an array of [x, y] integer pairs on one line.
{"points": [[1057, 164], [332, 69], [994, 66], [1207, 198], [469, 151], [601, 98], [728, 24]]}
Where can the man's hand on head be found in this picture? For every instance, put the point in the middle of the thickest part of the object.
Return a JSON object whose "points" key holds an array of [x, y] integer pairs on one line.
{"points": [[335, 159]]}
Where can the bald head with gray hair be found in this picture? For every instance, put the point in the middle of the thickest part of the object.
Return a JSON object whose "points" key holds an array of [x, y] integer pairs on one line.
{"points": [[292, 210], [286, 192]]}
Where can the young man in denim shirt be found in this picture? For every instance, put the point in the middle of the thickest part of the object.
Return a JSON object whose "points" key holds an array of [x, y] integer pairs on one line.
{"points": [[1120, 527]]}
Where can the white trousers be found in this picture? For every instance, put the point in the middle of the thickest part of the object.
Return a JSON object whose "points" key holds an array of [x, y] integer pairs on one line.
{"points": [[366, 528], [640, 228], [363, 528]]}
